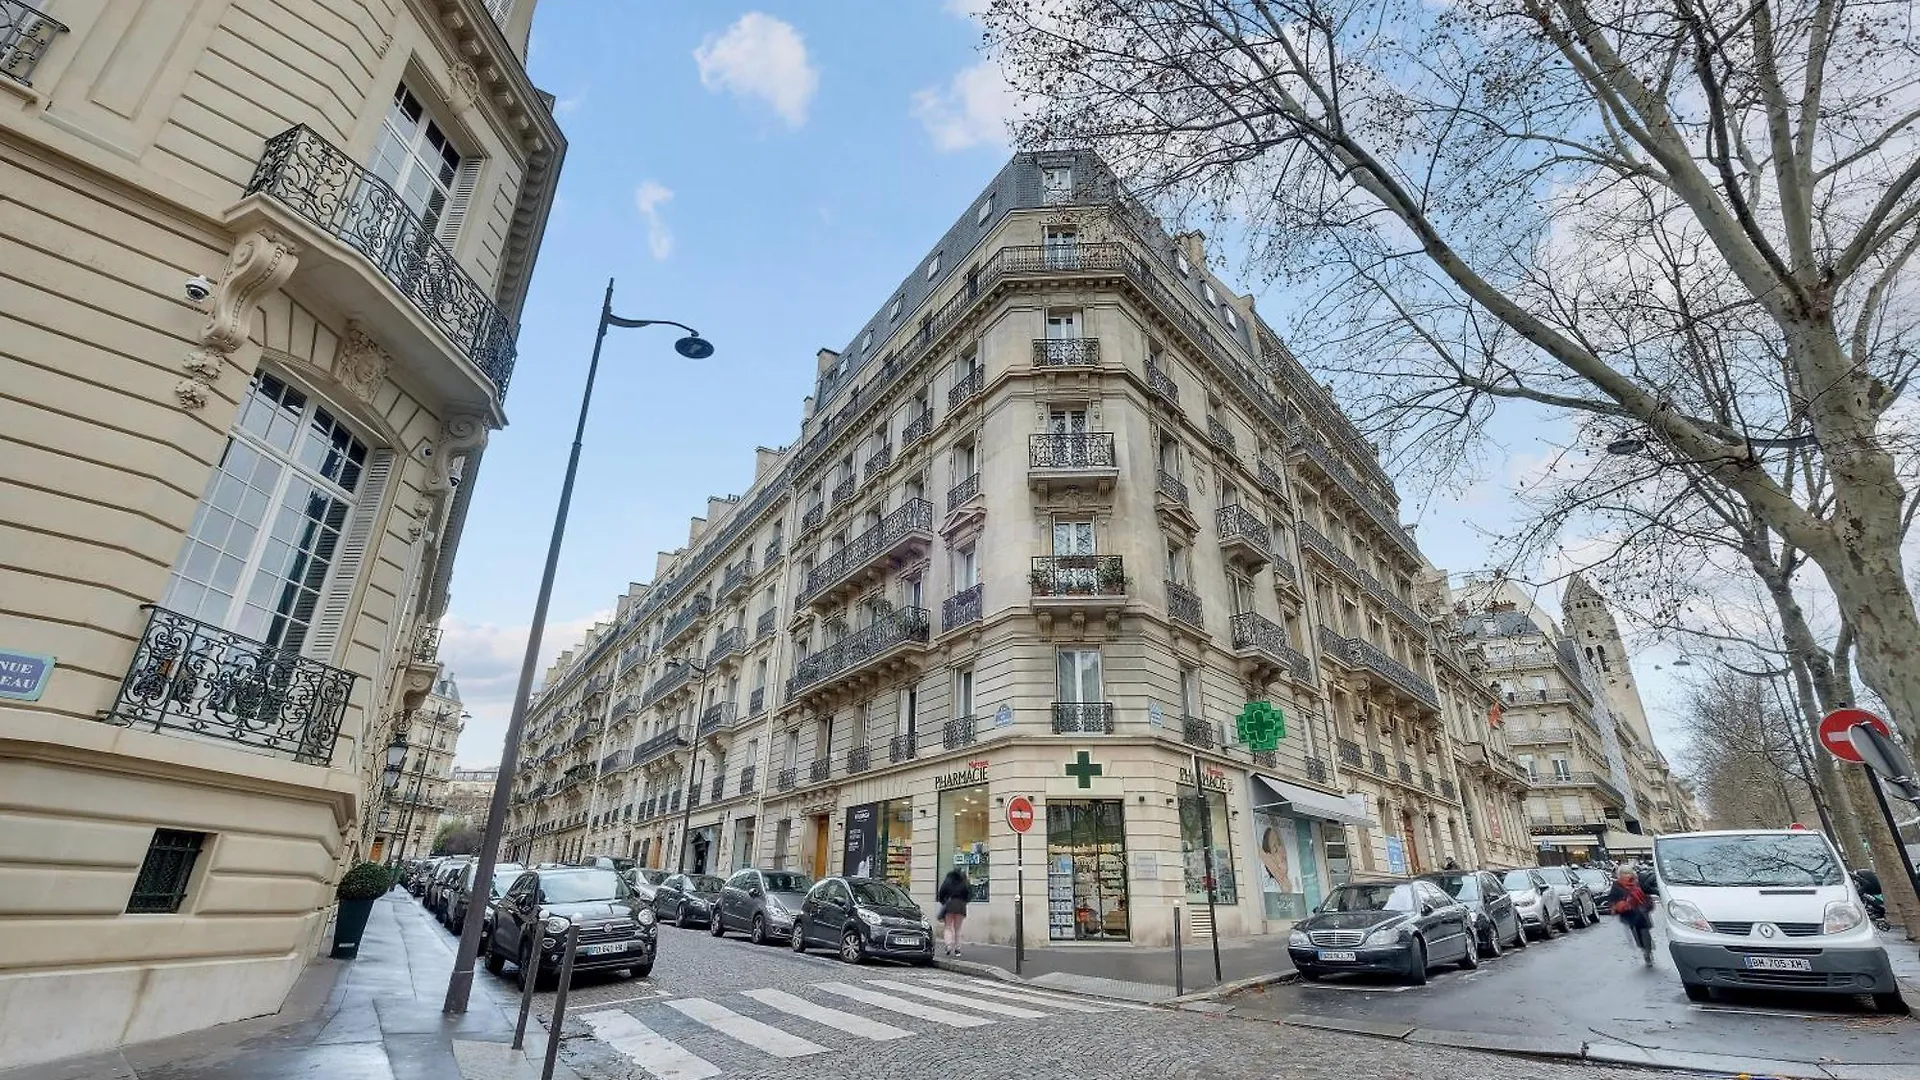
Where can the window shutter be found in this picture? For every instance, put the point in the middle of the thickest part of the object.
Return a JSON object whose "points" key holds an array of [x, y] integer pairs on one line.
{"points": [[498, 9], [455, 214], [324, 641]]}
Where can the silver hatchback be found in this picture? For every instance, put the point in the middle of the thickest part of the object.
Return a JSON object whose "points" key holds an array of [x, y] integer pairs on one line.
{"points": [[760, 903]]}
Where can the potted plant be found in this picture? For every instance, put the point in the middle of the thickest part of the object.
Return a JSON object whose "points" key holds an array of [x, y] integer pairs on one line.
{"points": [[1113, 577], [357, 891]]}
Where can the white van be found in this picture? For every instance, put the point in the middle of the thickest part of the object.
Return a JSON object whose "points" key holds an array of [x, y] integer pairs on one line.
{"points": [[1767, 909]]}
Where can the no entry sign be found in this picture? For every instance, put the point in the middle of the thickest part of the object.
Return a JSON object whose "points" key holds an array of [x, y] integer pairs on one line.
{"points": [[1835, 726], [1020, 813]]}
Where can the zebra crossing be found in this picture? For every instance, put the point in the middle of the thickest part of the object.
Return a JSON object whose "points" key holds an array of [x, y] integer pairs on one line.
{"points": [[695, 1038]]}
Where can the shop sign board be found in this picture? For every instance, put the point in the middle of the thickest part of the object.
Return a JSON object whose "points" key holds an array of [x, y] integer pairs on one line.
{"points": [[1261, 726], [862, 840], [1212, 778], [23, 676], [1019, 813], [974, 773]]}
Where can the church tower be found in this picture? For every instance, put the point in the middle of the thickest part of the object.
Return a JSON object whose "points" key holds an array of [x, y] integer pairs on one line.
{"points": [[1594, 632]]}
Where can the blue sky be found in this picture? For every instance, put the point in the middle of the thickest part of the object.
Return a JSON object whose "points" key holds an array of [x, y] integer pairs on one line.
{"points": [[763, 174]]}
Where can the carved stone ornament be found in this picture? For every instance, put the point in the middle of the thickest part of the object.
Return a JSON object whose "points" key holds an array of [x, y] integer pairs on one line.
{"points": [[261, 261], [464, 84], [360, 364]]}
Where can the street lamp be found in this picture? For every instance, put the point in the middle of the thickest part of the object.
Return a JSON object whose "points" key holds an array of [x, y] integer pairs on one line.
{"points": [[693, 347], [396, 753], [693, 758]]}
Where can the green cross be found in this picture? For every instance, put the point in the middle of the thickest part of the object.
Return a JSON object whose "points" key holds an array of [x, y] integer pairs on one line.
{"points": [[1261, 726], [1083, 769]]}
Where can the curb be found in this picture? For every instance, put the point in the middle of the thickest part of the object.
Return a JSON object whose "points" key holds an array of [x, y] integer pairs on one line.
{"points": [[991, 971], [1252, 982]]}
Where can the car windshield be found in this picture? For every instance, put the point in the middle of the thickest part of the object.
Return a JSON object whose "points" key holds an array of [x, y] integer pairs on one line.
{"points": [[575, 886], [1370, 898], [794, 883], [1595, 879], [621, 864], [1459, 886], [503, 877], [1518, 881], [702, 883], [1553, 874], [651, 877], [881, 894], [1750, 859]]}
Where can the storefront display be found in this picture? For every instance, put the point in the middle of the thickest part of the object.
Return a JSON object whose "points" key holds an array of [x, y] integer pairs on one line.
{"points": [[1285, 851], [879, 842], [1193, 850], [1086, 870], [963, 836]]}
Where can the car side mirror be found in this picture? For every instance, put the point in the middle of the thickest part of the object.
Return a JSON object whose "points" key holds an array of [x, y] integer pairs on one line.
{"points": [[1426, 909], [753, 890]]}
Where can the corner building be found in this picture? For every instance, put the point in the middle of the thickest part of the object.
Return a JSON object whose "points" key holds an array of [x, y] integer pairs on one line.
{"points": [[1054, 516], [261, 269]]}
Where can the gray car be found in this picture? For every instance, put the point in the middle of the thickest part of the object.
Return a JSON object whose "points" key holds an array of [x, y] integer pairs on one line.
{"points": [[1581, 907], [761, 903]]}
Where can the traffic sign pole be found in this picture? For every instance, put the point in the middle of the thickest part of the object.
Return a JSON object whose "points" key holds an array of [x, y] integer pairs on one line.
{"points": [[1019, 819]]}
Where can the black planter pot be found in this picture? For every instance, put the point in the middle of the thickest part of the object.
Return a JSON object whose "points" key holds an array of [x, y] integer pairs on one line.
{"points": [[348, 925]]}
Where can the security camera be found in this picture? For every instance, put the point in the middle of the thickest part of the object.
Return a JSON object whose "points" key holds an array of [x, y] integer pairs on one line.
{"points": [[199, 288]]}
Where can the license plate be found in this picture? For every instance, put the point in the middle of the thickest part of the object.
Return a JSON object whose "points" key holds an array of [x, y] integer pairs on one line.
{"points": [[907, 941], [1338, 954], [1779, 963], [602, 950]]}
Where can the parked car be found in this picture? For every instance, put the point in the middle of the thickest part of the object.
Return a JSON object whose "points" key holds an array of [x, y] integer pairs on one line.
{"points": [[443, 882], [617, 863], [861, 917], [1535, 902], [644, 881], [687, 899], [461, 898], [422, 875], [1397, 925], [1582, 907], [1599, 883], [1768, 909], [762, 903], [1494, 919], [616, 930]]}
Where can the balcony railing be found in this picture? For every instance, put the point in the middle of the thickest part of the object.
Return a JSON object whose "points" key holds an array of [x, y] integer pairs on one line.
{"points": [[624, 708], [1220, 433], [1083, 718], [1067, 451], [683, 620], [1582, 779], [843, 491], [1316, 770], [1253, 631], [958, 732], [915, 516], [1077, 576], [693, 797], [961, 609], [966, 489], [319, 182], [1391, 600], [897, 627], [1398, 674], [917, 428], [1426, 780], [197, 679], [1539, 736], [786, 779], [969, 386], [1284, 572], [1239, 527], [1348, 752], [1270, 478], [900, 748], [1196, 732], [1379, 512], [658, 746], [1377, 761], [735, 578], [675, 678], [729, 642], [426, 640], [718, 788], [1172, 487], [811, 520], [1183, 604], [757, 701], [1066, 352], [24, 36], [1314, 540], [879, 460], [1266, 759], [746, 779], [859, 759], [719, 716], [820, 771], [1161, 383], [1446, 788]]}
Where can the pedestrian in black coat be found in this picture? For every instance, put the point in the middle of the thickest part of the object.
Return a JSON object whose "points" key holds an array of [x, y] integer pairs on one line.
{"points": [[1629, 901], [952, 895]]}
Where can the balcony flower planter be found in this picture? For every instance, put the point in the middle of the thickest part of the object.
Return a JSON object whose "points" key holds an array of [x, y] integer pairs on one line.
{"points": [[1113, 577], [357, 891]]}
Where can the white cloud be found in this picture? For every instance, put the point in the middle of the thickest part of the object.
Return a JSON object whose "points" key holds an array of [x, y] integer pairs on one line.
{"points": [[975, 109], [649, 197], [567, 105], [761, 57], [484, 660]]}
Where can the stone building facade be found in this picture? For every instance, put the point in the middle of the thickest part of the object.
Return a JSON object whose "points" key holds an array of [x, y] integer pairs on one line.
{"points": [[470, 795], [260, 273], [412, 811], [1052, 520]]}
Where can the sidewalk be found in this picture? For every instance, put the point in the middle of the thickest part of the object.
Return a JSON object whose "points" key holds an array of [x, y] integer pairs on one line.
{"points": [[1132, 972], [373, 1018]]}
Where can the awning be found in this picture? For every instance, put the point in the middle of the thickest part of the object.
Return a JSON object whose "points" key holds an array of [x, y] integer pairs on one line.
{"points": [[1300, 801], [1616, 841]]}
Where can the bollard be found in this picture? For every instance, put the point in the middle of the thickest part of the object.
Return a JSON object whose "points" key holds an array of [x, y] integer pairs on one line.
{"points": [[560, 1001], [1179, 973], [530, 980]]}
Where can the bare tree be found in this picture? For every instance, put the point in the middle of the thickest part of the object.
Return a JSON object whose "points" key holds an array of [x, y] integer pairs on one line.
{"points": [[1688, 224], [1742, 745]]}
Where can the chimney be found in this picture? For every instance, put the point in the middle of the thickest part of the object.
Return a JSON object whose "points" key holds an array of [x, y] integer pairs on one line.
{"points": [[1194, 246]]}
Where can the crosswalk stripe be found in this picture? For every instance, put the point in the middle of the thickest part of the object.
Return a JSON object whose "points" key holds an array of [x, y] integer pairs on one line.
{"points": [[1024, 998], [914, 1009], [745, 1028], [1000, 1008], [654, 1053], [820, 1014]]}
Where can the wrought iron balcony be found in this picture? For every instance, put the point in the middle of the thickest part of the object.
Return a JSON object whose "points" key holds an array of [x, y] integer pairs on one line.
{"points": [[900, 748], [623, 709], [426, 640], [1539, 736], [1316, 770], [673, 802], [771, 555], [843, 491], [904, 532], [729, 643], [717, 718], [659, 746], [764, 625], [195, 679], [1244, 538], [1172, 487], [1220, 433], [1426, 781], [898, 628], [613, 762], [786, 779], [1599, 781], [1377, 761], [1161, 383], [1383, 516], [1197, 732], [811, 520], [1083, 718], [820, 771], [1391, 600], [963, 491], [1348, 752], [1076, 577], [916, 429], [1396, 674], [958, 732], [632, 658], [676, 677], [735, 579], [757, 701], [1446, 788], [881, 458], [1066, 352], [1315, 541], [1284, 573], [1266, 759], [24, 36], [961, 609], [859, 759], [1259, 639], [1079, 459], [746, 779], [685, 620], [967, 388], [1271, 479], [1183, 604], [316, 180]]}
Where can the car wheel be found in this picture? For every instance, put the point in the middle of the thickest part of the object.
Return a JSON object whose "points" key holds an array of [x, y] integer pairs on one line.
{"points": [[718, 927], [1417, 963], [1891, 1003], [1697, 991], [757, 933], [1493, 941], [1469, 956], [1566, 924], [495, 962], [1588, 916], [798, 942], [524, 966], [641, 971], [852, 949], [1519, 934]]}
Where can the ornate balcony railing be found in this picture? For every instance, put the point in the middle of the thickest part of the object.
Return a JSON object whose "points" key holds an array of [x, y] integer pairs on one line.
{"points": [[1539, 736], [820, 771], [729, 642], [772, 554], [718, 788], [613, 762], [916, 428], [746, 779], [674, 678], [1317, 542], [966, 489], [623, 709], [1172, 487], [1395, 672], [967, 388], [316, 180], [659, 746], [900, 748], [880, 459], [24, 36], [632, 658], [195, 678], [1066, 352], [1348, 752], [1184, 604], [1251, 630], [1377, 761], [1083, 718], [1316, 770], [958, 732], [961, 608], [1161, 383], [786, 779], [1381, 514], [764, 626], [811, 520], [894, 628], [1078, 575], [757, 701], [1266, 759], [843, 491], [683, 620], [859, 759], [719, 716], [1284, 572], [1270, 479], [734, 579], [1238, 525], [1220, 433], [1196, 732], [426, 640], [914, 516], [1582, 779], [1446, 788], [1062, 451], [1391, 600]]}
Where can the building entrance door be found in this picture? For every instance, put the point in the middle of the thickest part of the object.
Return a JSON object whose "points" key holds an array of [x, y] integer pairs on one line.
{"points": [[819, 846]]}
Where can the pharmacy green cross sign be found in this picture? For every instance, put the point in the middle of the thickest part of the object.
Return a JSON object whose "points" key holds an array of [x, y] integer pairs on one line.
{"points": [[1083, 769], [1261, 726]]}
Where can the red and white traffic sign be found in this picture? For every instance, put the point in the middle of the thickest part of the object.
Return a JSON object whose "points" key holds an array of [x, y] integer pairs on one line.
{"points": [[1836, 726], [1020, 813]]}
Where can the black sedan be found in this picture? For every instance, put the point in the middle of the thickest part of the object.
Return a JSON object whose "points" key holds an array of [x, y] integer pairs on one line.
{"points": [[532, 919], [645, 881], [1397, 925], [1495, 921], [863, 917], [687, 899]]}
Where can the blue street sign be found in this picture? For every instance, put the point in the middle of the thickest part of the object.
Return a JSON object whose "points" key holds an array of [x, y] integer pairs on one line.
{"points": [[24, 675]]}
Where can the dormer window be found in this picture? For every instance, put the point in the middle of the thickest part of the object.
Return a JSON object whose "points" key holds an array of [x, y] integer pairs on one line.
{"points": [[893, 310], [933, 266], [985, 213]]}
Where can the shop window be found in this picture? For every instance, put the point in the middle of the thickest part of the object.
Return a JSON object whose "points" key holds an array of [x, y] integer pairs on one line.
{"points": [[963, 836], [1289, 870], [166, 872], [879, 842], [1193, 848], [1086, 870]]}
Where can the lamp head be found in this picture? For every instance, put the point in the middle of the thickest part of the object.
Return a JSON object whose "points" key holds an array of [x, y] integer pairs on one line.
{"points": [[397, 750], [1626, 446], [694, 347]]}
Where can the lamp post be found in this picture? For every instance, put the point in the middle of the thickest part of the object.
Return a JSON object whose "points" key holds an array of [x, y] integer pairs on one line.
{"points": [[693, 347], [413, 794], [693, 758], [389, 780]]}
